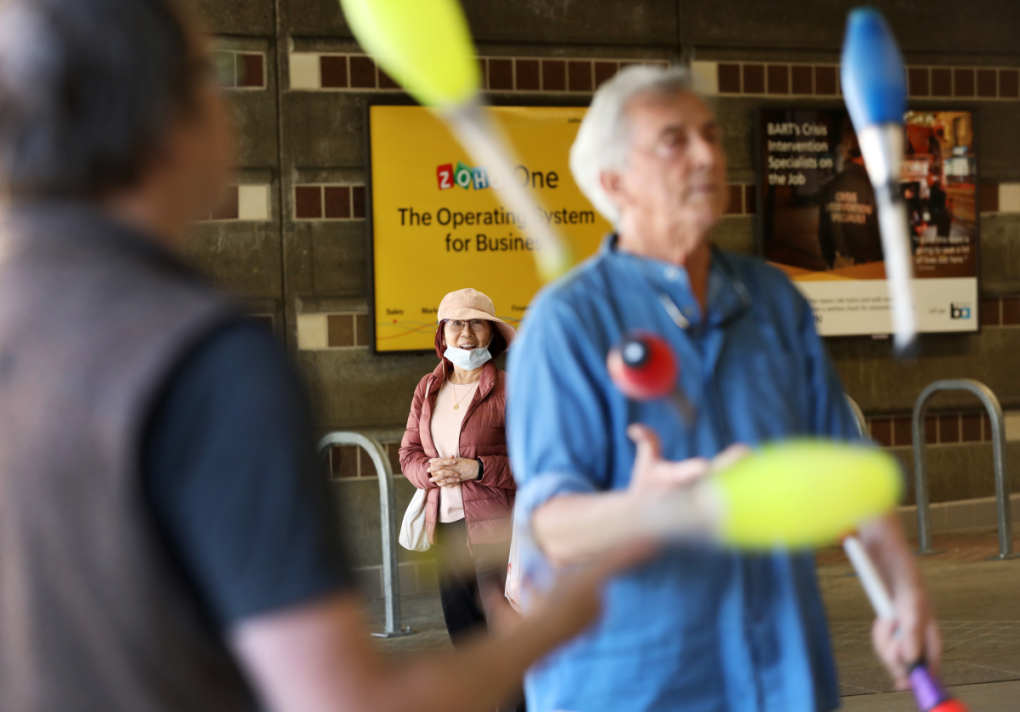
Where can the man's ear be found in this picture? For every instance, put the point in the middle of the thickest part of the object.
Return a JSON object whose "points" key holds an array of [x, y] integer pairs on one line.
{"points": [[612, 184]]}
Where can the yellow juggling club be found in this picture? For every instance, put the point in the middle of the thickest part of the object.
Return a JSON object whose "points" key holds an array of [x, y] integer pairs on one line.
{"points": [[426, 46], [793, 494], [804, 493]]}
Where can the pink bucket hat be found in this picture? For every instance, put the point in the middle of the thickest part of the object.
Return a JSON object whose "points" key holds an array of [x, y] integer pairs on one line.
{"points": [[468, 304]]}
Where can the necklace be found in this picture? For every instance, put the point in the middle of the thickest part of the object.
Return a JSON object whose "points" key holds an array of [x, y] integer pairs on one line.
{"points": [[456, 406]]}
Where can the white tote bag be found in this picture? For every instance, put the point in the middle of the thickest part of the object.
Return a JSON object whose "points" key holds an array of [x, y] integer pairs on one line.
{"points": [[412, 529], [514, 574]]}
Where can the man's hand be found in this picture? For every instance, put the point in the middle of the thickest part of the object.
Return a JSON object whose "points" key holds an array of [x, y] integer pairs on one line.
{"points": [[914, 636], [652, 474], [911, 638], [572, 528], [451, 471]]}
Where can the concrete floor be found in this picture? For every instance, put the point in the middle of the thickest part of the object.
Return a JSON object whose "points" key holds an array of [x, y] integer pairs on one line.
{"points": [[976, 602]]}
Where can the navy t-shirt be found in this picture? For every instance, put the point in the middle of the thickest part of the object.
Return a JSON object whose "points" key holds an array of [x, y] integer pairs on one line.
{"points": [[234, 484]]}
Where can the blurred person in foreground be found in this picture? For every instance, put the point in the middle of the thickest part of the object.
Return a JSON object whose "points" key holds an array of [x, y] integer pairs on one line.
{"points": [[697, 628], [166, 537]]}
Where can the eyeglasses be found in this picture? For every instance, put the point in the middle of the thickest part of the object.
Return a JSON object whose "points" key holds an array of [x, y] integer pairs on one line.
{"points": [[474, 324]]}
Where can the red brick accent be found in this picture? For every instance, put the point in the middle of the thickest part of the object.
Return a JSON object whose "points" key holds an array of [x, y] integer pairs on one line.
{"points": [[362, 72], [917, 77], [825, 81], [903, 433], [393, 453], [361, 330], [358, 201], [579, 76], [970, 427], [1009, 83], [501, 74], [963, 82], [881, 431], [227, 209], [343, 461], [340, 330], [554, 75], [779, 78], [987, 83], [386, 81], [334, 71], [988, 197], [604, 71], [527, 75], [802, 81], [729, 78], [949, 428], [308, 202], [941, 81], [988, 312], [931, 427], [337, 202], [1010, 311], [754, 79], [250, 70], [735, 205]]}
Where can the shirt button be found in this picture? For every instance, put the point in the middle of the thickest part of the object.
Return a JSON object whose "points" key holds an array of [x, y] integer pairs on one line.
{"points": [[688, 312], [672, 274]]}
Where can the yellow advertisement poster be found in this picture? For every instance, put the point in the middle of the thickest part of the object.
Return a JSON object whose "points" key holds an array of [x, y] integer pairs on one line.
{"points": [[439, 226]]}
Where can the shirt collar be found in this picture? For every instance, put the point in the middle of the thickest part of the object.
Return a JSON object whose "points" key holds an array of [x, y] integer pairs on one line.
{"points": [[727, 295]]}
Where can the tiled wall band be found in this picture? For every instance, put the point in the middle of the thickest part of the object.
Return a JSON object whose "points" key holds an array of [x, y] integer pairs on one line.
{"points": [[327, 201], [318, 71], [343, 330], [241, 70], [796, 80], [242, 203]]}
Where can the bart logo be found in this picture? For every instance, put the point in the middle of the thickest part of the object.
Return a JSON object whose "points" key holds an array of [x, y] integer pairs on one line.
{"points": [[462, 175], [959, 311]]}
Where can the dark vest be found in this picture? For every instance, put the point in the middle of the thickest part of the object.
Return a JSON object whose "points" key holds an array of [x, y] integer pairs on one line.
{"points": [[94, 614]]}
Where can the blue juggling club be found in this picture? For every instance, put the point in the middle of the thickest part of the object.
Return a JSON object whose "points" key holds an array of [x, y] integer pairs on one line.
{"points": [[875, 88]]}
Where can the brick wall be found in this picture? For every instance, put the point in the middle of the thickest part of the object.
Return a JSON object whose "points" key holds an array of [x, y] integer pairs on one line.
{"points": [[291, 237]]}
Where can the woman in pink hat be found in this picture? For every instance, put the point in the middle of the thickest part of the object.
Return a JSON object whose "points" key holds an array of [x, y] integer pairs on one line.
{"points": [[455, 449]]}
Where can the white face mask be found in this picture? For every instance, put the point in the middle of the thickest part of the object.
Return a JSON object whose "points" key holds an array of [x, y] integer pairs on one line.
{"points": [[468, 360]]}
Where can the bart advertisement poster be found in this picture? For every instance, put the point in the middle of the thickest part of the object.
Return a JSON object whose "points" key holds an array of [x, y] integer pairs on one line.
{"points": [[819, 222], [438, 225]]}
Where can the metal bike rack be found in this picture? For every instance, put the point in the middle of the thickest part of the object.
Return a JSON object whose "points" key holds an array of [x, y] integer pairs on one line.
{"points": [[387, 505], [1002, 489], [862, 424]]}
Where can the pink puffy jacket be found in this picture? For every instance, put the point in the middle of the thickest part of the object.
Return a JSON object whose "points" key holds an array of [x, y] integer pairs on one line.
{"points": [[488, 501]]}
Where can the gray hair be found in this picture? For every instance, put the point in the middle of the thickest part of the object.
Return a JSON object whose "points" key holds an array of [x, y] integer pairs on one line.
{"points": [[88, 90], [603, 141]]}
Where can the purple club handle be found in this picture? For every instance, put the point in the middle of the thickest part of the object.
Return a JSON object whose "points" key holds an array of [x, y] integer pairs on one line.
{"points": [[927, 691]]}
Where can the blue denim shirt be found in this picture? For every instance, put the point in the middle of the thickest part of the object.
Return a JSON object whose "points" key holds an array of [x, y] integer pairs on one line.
{"points": [[697, 629]]}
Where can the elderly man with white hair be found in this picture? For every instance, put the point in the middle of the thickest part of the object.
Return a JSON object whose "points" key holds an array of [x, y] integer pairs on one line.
{"points": [[697, 628]]}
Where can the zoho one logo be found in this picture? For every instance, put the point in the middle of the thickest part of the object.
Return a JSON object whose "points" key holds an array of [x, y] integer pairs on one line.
{"points": [[462, 175], [959, 311]]}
